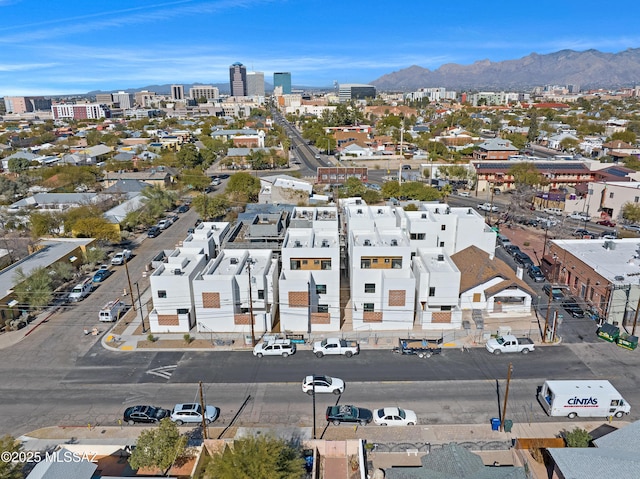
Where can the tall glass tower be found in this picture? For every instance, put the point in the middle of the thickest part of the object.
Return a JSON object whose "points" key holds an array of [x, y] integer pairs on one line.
{"points": [[282, 79]]}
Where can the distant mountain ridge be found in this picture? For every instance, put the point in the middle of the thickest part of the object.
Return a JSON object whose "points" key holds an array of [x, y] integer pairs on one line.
{"points": [[589, 69]]}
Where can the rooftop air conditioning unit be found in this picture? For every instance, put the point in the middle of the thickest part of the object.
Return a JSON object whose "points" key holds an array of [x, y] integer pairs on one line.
{"points": [[177, 271], [325, 243], [423, 216], [296, 244], [233, 260], [440, 257], [619, 278], [394, 242], [367, 242]]}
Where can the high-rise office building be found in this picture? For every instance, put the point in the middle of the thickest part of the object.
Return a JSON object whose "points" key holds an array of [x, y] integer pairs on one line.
{"points": [[208, 92], [282, 79], [124, 99], [255, 84], [25, 104], [355, 91], [177, 92], [238, 79]]}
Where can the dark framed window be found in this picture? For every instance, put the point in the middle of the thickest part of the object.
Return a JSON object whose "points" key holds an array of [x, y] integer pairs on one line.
{"points": [[432, 291], [321, 289], [261, 294], [323, 308], [162, 293], [369, 287], [367, 307]]}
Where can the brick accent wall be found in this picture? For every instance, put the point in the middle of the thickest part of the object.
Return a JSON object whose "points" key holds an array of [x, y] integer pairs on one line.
{"points": [[168, 320], [211, 300], [372, 317], [320, 318], [298, 299], [397, 297], [242, 319], [441, 317]]}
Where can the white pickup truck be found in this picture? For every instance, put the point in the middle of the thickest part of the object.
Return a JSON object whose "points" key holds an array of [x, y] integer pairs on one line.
{"points": [[335, 346], [121, 258], [509, 344]]}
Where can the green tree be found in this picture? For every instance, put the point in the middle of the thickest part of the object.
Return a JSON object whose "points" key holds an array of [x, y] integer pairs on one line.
{"points": [[569, 144], [534, 130], [45, 223], [257, 458], [34, 290], [159, 447], [578, 437], [94, 137], [95, 255], [208, 207], [243, 188], [626, 136], [353, 187], [194, 178], [632, 162], [96, 227], [18, 165], [158, 200], [371, 196], [189, 156], [516, 139], [525, 174], [8, 469], [631, 212], [390, 189]]}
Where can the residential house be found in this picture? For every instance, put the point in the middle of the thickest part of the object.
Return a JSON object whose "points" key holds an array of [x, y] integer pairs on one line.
{"points": [[618, 149], [160, 176], [283, 189], [495, 149], [208, 236], [232, 287], [489, 284]]}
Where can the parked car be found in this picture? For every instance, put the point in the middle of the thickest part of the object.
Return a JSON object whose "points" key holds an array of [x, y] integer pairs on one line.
{"points": [[488, 207], [512, 249], [556, 292], [582, 233], [580, 216], [215, 181], [553, 211], [347, 413], [183, 208], [571, 306], [145, 414], [153, 232], [323, 384], [276, 347], [503, 240], [464, 194], [634, 228], [608, 223], [609, 234], [164, 224], [192, 413], [103, 273], [535, 273], [522, 259], [394, 416]]}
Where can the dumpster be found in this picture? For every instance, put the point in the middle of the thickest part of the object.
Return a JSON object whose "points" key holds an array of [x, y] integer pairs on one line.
{"points": [[495, 424], [608, 332], [508, 424], [627, 341]]}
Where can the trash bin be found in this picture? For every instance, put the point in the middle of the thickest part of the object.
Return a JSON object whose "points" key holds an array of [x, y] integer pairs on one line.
{"points": [[508, 424], [495, 424]]}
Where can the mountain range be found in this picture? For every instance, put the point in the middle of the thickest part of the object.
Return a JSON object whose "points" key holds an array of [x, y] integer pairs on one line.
{"points": [[589, 69]]}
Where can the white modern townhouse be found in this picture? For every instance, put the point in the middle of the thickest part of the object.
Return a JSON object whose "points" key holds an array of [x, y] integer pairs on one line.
{"points": [[437, 290], [171, 287], [232, 287], [309, 285], [208, 236]]}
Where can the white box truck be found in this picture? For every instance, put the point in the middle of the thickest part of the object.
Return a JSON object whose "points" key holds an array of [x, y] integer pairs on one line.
{"points": [[111, 311], [584, 398]]}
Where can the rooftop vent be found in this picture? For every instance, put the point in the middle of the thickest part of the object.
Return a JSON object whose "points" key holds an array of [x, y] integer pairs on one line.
{"points": [[440, 257], [358, 202], [380, 211], [297, 244], [325, 243], [359, 211], [437, 211], [177, 271], [423, 216], [619, 278], [469, 211], [608, 244], [233, 260]]}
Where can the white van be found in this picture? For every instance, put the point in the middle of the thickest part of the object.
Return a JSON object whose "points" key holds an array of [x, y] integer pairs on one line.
{"points": [[586, 398], [81, 290], [111, 311]]}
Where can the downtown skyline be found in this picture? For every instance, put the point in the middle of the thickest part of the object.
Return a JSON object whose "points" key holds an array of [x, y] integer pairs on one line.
{"points": [[109, 46]]}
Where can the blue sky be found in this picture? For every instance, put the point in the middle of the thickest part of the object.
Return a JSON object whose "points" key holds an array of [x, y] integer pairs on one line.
{"points": [[52, 47]]}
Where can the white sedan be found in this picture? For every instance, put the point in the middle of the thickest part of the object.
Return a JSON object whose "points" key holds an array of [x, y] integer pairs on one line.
{"points": [[323, 384], [393, 416]]}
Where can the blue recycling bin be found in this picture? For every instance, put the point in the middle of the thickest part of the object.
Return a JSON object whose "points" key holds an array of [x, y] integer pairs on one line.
{"points": [[495, 424]]}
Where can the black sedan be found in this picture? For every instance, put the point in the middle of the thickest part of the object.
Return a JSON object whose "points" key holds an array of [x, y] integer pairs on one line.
{"points": [[571, 306], [347, 413], [145, 414]]}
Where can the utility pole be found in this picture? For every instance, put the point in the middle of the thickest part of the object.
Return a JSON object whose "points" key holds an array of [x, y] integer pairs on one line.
{"points": [[253, 335], [546, 319], [635, 318], [205, 433], [313, 385], [126, 269], [506, 397]]}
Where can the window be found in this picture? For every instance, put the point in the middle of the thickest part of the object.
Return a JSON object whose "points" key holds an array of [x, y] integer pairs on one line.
{"points": [[365, 263], [316, 261], [396, 263], [611, 195], [417, 236], [183, 311], [374, 260], [304, 261], [321, 289], [162, 293], [445, 308], [636, 199], [295, 264], [367, 307], [325, 264], [432, 291], [261, 294], [323, 308], [591, 293], [386, 261], [441, 244], [369, 287], [443, 227]]}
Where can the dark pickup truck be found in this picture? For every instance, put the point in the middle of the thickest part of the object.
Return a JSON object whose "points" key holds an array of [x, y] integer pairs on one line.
{"points": [[423, 348]]}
